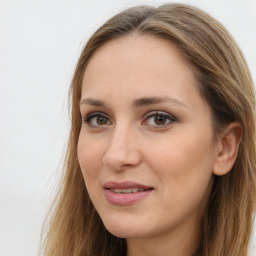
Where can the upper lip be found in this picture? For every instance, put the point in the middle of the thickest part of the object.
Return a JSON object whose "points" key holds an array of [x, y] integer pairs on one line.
{"points": [[124, 185]]}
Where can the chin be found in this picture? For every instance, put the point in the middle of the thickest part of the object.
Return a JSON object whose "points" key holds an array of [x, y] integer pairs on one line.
{"points": [[124, 233], [123, 229]]}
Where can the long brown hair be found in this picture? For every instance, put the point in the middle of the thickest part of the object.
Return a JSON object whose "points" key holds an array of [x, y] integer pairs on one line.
{"points": [[224, 81]]}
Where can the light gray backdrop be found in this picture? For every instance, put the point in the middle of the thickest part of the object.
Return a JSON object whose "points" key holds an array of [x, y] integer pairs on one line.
{"points": [[40, 41]]}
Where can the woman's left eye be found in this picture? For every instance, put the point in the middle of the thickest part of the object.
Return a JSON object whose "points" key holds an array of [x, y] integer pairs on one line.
{"points": [[159, 119]]}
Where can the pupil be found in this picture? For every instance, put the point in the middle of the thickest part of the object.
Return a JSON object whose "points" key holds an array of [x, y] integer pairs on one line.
{"points": [[101, 120], [160, 120]]}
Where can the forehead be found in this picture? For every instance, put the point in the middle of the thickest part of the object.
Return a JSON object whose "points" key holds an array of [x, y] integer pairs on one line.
{"points": [[138, 64], [137, 50]]}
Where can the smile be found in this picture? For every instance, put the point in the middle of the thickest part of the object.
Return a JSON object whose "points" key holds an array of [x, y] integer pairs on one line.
{"points": [[127, 190], [125, 193]]}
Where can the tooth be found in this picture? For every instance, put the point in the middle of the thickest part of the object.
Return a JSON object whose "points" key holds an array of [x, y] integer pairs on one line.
{"points": [[127, 190], [117, 190]]}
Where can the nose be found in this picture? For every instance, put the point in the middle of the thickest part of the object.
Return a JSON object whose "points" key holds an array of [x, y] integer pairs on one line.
{"points": [[122, 151]]}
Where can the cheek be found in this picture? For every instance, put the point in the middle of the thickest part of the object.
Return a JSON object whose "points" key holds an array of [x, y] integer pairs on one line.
{"points": [[184, 165], [89, 157]]}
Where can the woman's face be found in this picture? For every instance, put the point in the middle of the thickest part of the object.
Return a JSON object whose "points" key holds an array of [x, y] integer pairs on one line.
{"points": [[146, 146]]}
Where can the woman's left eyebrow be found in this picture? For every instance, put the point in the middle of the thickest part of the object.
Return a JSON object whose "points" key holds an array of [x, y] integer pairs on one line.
{"points": [[145, 101]]}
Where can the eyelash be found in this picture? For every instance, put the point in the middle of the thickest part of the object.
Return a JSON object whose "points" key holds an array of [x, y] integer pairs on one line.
{"points": [[169, 118], [88, 118]]}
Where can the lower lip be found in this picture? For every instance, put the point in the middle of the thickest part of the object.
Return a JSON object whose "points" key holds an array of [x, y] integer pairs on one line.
{"points": [[123, 199]]}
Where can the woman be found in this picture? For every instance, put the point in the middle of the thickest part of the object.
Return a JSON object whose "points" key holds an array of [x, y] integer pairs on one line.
{"points": [[161, 155]]}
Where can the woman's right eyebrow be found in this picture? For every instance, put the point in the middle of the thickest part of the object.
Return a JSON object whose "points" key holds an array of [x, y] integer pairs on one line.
{"points": [[93, 102]]}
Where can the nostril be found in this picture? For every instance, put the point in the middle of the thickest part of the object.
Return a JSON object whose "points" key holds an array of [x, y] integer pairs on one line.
{"points": [[122, 152]]}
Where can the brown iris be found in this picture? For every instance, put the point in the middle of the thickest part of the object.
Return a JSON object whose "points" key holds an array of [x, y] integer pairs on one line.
{"points": [[160, 120], [101, 120]]}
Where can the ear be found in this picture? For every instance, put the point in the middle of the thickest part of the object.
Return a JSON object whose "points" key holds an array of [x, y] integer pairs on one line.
{"points": [[227, 148]]}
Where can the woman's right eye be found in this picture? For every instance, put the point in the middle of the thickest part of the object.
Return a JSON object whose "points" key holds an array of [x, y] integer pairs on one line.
{"points": [[97, 119]]}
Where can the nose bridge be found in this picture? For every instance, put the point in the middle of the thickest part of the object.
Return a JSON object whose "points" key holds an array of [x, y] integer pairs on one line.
{"points": [[122, 149]]}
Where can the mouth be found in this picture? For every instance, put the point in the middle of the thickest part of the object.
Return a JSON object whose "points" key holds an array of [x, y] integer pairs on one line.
{"points": [[127, 190], [125, 193]]}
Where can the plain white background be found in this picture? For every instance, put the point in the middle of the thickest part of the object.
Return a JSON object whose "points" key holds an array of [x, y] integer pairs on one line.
{"points": [[40, 42]]}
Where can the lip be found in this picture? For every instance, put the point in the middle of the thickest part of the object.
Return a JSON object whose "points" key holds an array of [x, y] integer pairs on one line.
{"points": [[123, 199]]}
